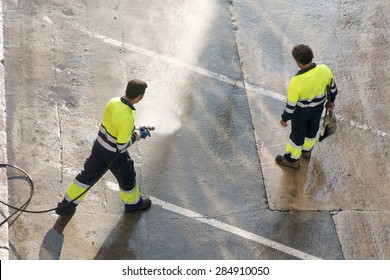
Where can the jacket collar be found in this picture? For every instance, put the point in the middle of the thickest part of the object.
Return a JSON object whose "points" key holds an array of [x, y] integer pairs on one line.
{"points": [[127, 103], [300, 72]]}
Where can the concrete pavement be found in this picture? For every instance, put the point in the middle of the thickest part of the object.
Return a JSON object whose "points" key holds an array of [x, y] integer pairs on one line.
{"points": [[4, 247], [202, 158], [334, 207], [348, 174]]}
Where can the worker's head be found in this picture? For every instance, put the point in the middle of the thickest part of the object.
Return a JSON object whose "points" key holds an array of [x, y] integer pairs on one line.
{"points": [[136, 89], [302, 54]]}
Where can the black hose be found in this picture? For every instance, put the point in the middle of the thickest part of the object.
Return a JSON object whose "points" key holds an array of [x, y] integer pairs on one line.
{"points": [[31, 182], [24, 206]]}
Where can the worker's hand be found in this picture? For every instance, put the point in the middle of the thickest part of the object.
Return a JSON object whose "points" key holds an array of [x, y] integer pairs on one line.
{"points": [[141, 133], [145, 133], [330, 106], [283, 123]]}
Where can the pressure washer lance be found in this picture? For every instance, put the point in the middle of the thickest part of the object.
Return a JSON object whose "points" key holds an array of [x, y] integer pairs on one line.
{"points": [[32, 188], [147, 127]]}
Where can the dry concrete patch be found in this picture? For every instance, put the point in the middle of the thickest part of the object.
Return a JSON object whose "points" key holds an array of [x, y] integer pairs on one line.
{"points": [[364, 235]]}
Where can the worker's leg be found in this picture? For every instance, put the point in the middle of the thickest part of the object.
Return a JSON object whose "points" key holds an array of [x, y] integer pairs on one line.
{"points": [[311, 133], [293, 147], [297, 137], [124, 172], [94, 167], [295, 143]]}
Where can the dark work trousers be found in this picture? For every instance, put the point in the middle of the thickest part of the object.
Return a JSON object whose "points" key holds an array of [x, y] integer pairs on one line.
{"points": [[98, 161], [305, 124]]}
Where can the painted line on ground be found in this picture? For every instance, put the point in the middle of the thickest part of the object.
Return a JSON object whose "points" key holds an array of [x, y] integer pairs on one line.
{"points": [[233, 230], [177, 63], [216, 76], [210, 74], [185, 212], [223, 226]]}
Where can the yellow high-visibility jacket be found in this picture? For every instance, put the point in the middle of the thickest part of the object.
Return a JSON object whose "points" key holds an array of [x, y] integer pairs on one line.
{"points": [[117, 125], [307, 89]]}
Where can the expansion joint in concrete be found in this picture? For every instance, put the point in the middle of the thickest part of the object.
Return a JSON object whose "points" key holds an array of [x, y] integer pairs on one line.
{"points": [[235, 28], [59, 125]]}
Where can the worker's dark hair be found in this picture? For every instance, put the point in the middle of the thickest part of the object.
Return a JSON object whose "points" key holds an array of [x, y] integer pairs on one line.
{"points": [[302, 54], [135, 88]]}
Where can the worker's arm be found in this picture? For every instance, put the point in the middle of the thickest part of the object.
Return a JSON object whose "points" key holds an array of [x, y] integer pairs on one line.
{"points": [[333, 93], [291, 103]]}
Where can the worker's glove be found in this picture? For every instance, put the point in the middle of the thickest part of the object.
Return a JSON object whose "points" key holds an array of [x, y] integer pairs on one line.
{"points": [[139, 133], [145, 132]]}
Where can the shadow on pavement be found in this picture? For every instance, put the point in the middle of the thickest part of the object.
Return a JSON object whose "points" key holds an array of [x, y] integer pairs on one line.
{"points": [[54, 239], [115, 247]]}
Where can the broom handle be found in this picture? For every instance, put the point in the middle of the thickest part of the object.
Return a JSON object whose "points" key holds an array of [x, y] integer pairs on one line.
{"points": [[328, 92], [328, 87], [326, 113]]}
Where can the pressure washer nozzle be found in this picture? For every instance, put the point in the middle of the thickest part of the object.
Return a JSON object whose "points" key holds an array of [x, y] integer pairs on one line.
{"points": [[147, 127]]}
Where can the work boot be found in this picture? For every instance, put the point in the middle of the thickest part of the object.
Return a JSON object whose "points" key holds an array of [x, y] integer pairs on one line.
{"points": [[306, 154], [65, 208], [142, 204], [284, 162]]}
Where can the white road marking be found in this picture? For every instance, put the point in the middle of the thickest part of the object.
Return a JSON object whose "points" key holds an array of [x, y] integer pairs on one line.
{"points": [[223, 226], [210, 74], [166, 59], [362, 126], [234, 230], [112, 186], [216, 76]]}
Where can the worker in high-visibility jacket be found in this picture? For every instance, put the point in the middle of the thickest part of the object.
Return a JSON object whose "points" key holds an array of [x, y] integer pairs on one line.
{"points": [[306, 97], [116, 133]]}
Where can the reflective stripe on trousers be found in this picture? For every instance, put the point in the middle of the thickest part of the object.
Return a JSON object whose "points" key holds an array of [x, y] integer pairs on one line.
{"points": [[128, 197], [295, 152], [122, 168]]}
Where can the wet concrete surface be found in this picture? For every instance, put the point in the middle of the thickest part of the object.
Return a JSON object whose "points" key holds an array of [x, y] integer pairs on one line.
{"points": [[217, 73], [348, 174]]}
